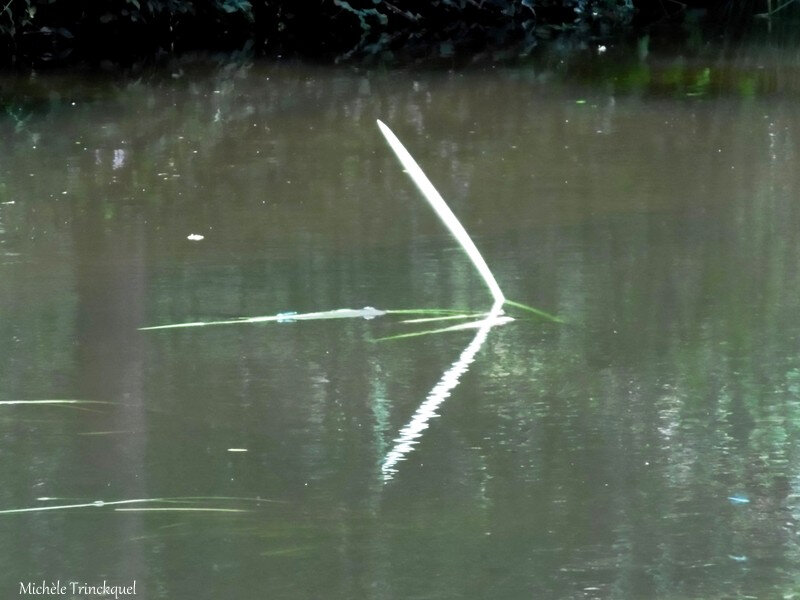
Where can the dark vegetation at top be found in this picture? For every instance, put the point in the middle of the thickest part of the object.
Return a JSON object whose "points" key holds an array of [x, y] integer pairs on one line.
{"points": [[57, 31]]}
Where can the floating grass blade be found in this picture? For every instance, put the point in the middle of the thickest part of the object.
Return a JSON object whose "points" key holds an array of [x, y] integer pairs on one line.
{"points": [[181, 509], [497, 319], [35, 402], [116, 503], [289, 317], [443, 211], [445, 318]]}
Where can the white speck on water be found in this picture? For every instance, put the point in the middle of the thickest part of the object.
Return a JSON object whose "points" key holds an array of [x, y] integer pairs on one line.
{"points": [[195, 237], [119, 159], [237, 449]]}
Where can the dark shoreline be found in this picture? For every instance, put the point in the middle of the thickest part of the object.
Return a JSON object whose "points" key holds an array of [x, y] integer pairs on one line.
{"points": [[57, 33]]}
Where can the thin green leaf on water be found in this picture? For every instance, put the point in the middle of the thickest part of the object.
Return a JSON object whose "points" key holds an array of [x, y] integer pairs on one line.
{"points": [[290, 317], [181, 509], [120, 432], [35, 402], [300, 550], [536, 311], [177, 524], [115, 503], [285, 317], [95, 504], [256, 500], [497, 320]]}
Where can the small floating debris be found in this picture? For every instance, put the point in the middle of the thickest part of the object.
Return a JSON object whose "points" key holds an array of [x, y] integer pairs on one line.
{"points": [[736, 558], [195, 237], [738, 499], [237, 449]]}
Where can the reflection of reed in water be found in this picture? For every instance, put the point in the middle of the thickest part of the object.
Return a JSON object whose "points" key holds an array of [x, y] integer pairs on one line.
{"points": [[409, 435]]}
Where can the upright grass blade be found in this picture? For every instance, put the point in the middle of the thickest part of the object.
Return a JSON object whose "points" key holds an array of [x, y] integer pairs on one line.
{"points": [[443, 211], [447, 217]]}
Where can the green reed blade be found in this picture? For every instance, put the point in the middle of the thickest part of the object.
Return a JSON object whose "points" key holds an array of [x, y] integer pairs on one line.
{"points": [[290, 317], [168, 500], [500, 320], [35, 402], [181, 509], [536, 311]]}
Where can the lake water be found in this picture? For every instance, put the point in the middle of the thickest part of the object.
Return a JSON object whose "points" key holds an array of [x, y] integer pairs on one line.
{"points": [[647, 447]]}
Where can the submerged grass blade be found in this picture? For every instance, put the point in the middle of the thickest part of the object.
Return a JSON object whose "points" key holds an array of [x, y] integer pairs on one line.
{"points": [[443, 211], [496, 320], [536, 311]]}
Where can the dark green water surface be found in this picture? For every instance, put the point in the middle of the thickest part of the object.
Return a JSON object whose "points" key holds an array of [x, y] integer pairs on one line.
{"points": [[647, 448]]}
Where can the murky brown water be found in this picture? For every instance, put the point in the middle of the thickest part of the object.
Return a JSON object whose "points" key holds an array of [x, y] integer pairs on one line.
{"points": [[648, 448]]}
